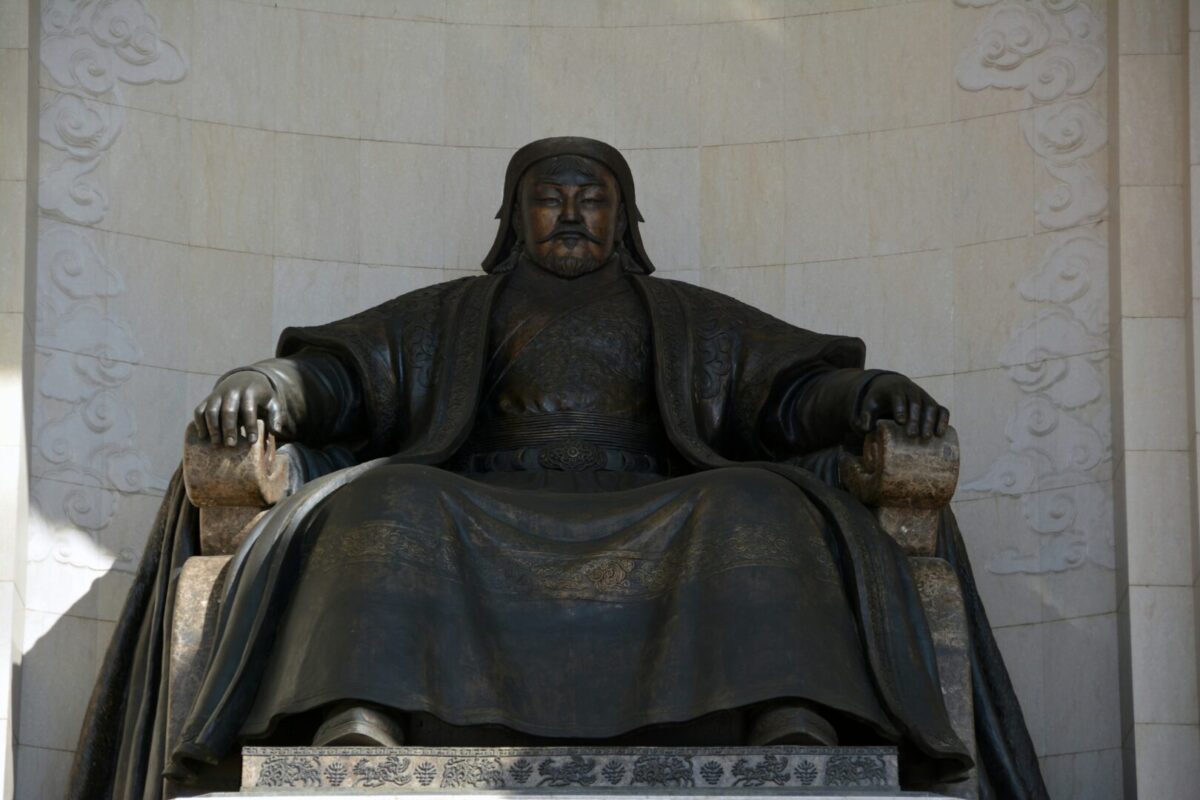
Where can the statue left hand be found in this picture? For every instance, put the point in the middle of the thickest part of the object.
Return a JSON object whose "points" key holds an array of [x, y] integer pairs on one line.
{"points": [[897, 398]]}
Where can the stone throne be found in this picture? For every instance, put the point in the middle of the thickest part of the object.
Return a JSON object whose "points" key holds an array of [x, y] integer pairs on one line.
{"points": [[905, 481]]}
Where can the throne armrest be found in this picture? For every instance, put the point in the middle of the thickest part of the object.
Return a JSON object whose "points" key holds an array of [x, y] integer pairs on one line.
{"points": [[906, 481], [233, 486]]}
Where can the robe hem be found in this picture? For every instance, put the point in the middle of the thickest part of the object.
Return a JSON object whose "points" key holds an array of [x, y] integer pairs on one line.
{"points": [[496, 717]]}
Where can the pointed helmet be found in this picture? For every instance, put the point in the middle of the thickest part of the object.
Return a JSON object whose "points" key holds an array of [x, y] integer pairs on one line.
{"points": [[500, 258]]}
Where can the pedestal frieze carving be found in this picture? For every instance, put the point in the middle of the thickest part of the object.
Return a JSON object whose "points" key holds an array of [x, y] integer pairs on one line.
{"points": [[407, 770], [83, 442], [1059, 435]]}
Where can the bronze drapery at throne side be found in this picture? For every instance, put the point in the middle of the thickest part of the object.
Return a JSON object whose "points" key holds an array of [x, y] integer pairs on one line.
{"points": [[562, 501]]}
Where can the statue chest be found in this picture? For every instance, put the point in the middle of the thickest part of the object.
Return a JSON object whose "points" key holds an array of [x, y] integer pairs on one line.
{"points": [[570, 352]]}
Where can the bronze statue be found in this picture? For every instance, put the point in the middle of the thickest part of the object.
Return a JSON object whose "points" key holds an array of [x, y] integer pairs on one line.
{"points": [[567, 501]]}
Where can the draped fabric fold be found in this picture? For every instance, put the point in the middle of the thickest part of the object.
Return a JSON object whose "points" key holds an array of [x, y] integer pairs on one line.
{"points": [[1007, 762], [120, 751]]}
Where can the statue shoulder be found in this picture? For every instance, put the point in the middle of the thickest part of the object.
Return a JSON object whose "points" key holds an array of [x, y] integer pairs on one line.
{"points": [[719, 317], [714, 309], [417, 304], [412, 315]]}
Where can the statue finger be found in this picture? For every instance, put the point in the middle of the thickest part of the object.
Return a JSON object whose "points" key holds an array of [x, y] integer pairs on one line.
{"points": [[212, 418], [274, 415], [943, 420], [929, 420], [914, 418], [250, 416], [899, 407], [229, 417], [864, 420], [199, 421]]}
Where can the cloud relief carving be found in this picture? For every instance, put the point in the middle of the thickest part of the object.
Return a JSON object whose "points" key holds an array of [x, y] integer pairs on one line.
{"points": [[1058, 436], [84, 431]]}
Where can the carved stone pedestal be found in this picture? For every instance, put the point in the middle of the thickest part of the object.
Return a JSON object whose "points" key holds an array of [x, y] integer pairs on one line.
{"points": [[545, 772], [672, 794]]}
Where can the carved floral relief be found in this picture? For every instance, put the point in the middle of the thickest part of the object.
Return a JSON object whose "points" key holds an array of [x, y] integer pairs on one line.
{"points": [[83, 440], [1059, 435]]}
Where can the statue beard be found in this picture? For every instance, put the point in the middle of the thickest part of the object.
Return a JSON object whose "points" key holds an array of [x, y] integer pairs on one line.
{"points": [[571, 266]]}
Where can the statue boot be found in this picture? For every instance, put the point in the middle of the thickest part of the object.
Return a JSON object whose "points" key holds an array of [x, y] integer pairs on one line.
{"points": [[791, 724], [358, 726]]}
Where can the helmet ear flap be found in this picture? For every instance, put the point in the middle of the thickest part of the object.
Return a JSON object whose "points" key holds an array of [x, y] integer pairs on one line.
{"points": [[628, 262], [518, 246], [515, 222], [514, 255]]}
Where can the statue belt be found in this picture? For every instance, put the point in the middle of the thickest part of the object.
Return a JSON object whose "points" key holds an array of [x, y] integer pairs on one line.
{"points": [[571, 441], [569, 455]]}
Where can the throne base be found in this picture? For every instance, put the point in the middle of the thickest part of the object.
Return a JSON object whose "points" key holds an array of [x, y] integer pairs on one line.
{"points": [[553, 771]]}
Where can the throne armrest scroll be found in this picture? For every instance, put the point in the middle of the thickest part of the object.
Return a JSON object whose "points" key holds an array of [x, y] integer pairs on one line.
{"points": [[906, 481], [233, 486]]}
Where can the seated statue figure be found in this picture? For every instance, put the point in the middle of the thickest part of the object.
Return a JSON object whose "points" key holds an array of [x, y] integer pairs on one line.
{"points": [[566, 501]]}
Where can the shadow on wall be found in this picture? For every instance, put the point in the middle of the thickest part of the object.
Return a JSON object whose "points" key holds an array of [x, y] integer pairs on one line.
{"points": [[54, 685], [78, 576]]}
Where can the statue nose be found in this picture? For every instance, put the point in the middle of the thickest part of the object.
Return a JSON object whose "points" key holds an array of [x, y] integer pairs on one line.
{"points": [[570, 210]]}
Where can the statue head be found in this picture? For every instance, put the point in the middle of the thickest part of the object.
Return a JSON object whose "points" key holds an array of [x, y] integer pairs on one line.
{"points": [[568, 214], [569, 206]]}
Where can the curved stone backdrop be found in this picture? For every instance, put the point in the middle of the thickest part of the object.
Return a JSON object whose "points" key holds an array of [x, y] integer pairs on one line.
{"points": [[928, 175]]}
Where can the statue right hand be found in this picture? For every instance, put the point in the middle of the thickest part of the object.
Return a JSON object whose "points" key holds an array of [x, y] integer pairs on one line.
{"points": [[238, 400]]}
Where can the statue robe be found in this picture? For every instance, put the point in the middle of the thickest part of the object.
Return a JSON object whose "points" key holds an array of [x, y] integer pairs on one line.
{"points": [[717, 367], [408, 586]]}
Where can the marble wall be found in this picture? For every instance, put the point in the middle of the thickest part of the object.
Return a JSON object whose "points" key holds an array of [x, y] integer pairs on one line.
{"points": [[1154, 360], [1153, 430], [929, 175], [16, 338]]}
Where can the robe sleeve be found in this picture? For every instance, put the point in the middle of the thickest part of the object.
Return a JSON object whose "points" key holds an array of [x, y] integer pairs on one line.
{"points": [[768, 390], [320, 398], [369, 352], [814, 410]]}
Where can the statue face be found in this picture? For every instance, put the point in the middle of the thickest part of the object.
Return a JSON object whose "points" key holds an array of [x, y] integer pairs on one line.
{"points": [[570, 214]]}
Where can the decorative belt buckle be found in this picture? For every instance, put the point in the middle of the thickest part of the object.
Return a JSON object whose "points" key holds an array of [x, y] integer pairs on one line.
{"points": [[572, 455]]}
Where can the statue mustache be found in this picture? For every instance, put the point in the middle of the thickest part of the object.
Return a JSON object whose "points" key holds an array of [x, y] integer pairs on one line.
{"points": [[572, 231]]}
